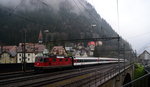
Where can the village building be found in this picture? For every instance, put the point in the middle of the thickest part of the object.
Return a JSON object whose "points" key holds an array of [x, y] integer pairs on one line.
{"points": [[31, 51], [83, 53], [77, 53], [58, 50], [91, 47], [8, 54], [144, 58]]}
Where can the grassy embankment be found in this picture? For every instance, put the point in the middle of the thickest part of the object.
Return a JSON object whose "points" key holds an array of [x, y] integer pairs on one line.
{"points": [[139, 71]]}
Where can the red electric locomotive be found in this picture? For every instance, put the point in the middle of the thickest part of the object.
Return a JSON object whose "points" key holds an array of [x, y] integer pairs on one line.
{"points": [[48, 62]]}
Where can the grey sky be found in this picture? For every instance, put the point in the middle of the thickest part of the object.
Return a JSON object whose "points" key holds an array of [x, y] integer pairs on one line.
{"points": [[134, 19]]}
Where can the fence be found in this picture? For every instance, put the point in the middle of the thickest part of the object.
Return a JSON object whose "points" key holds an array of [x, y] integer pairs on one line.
{"points": [[14, 67], [143, 81], [96, 79]]}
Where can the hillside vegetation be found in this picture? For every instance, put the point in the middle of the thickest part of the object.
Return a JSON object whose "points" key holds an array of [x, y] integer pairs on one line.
{"points": [[65, 20]]}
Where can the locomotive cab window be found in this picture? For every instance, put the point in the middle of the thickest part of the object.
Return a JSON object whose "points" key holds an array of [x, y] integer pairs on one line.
{"points": [[41, 60], [54, 60], [37, 59], [46, 60]]}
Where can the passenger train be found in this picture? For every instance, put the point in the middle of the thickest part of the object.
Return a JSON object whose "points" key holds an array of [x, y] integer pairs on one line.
{"points": [[49, 62]]}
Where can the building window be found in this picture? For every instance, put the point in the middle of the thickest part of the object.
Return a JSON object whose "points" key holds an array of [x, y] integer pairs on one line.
{"points": [[20, 55], [20, 59], [28, 54], [28, 59]]}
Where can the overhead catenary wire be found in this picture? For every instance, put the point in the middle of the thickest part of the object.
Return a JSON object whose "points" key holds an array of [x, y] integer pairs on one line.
{"points": [[80, 9], [17, 6], [139, 35], [93, 17], [88, 12], [44, 3], [22, 17], [11, 11]]}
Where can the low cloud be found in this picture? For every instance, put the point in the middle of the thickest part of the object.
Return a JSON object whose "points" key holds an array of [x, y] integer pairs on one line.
{"points": [[77, 5]]}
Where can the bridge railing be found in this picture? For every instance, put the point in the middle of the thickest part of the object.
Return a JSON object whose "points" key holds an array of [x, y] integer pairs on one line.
{"points": [[98, 78], [143, 81]]}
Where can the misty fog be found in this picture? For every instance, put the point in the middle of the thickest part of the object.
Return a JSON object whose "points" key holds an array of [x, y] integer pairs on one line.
{"points": [[76, 5]]}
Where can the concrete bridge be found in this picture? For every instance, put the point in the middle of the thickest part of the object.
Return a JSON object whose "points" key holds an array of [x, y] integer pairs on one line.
{"points": [[113, 78], [120, 78]]}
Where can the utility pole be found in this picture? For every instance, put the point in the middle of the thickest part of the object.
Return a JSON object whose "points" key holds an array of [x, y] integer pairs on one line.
{"points": [[46, 37], [124, 55], [118, 57], [135, 56], [119, 54], [24, 51]]}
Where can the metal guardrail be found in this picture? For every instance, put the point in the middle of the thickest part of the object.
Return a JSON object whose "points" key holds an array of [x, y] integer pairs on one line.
{"points": [[134, 84], [142, 81], [12, 67], [98, 78]]}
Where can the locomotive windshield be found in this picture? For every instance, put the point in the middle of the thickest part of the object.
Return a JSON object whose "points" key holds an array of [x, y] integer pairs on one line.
{"points": [[41, 59]]}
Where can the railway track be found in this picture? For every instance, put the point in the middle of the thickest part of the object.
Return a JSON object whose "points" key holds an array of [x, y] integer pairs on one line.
{"points": [[62, 78], [48, 78], [15, 74]]}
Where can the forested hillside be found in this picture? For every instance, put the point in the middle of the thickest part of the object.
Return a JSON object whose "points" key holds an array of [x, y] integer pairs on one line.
{"points": [[65, 19]]}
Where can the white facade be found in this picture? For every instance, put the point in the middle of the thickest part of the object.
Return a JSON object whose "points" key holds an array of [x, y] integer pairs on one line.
{"points": [[30, 57], [144, 58]]}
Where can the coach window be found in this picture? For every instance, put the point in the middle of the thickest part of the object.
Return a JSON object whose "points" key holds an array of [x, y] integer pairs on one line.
{"points": [[79, 60]]}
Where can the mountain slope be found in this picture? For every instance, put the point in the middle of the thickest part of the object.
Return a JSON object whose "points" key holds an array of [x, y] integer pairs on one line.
{"points": [[65, 19]]}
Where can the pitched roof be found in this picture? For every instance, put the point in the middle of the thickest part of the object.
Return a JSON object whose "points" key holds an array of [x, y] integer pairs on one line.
{"points": [[91, 43], [10, 49], [58, 50], [32, 47], [144, 52]]}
